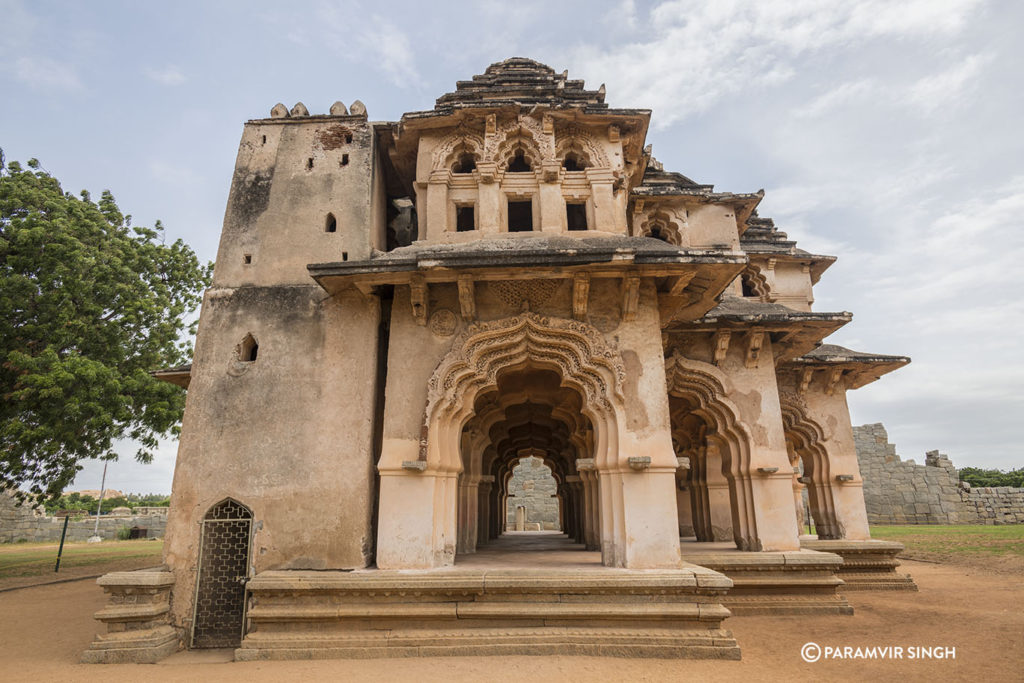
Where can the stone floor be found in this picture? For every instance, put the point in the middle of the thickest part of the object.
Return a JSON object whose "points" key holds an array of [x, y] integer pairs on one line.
{"points": [[531, 550]]}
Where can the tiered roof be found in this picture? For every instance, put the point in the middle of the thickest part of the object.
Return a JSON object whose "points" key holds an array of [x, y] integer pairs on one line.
{"points": [[520, 81]]}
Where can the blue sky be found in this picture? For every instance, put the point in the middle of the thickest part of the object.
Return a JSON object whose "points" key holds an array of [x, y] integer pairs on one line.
{"points": [[886, 133]]}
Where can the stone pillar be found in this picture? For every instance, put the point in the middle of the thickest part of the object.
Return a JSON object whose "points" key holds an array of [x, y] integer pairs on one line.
{"points": [[488, 200], [437, 204], [719, 497], [520, 518], [768, 475], [484, 506], [552, 207], [468, 511], [606, 218], [412, 526]]}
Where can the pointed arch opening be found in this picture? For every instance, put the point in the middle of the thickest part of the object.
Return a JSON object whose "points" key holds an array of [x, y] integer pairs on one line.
{"points": [[715, 499], [804, 442], [529, 385]]}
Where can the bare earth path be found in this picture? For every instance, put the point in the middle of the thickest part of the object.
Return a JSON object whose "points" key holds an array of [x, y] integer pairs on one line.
{"points": [[44, 629]]}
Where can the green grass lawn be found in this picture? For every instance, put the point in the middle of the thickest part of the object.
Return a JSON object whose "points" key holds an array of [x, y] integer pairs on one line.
{"points": [[31, 559], [1007, 540]]}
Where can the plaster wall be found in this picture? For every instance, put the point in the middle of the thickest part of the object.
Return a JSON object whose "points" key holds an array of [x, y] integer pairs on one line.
{"points": [[306, 472], [712, 225], [790, 285], [288, 176]]}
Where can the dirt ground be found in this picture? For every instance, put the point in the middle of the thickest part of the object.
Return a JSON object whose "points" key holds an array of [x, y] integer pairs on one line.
{"points": [[977, 611]]}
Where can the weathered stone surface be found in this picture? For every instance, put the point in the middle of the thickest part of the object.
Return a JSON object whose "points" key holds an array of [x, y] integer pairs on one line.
{"points": [[902, 492], [137, 617], [312, 615]]}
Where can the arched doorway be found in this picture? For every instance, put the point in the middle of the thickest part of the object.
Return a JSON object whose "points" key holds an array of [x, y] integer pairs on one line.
{"points": [[223, 570], [528, 413], [809, 456], [619, 482]]}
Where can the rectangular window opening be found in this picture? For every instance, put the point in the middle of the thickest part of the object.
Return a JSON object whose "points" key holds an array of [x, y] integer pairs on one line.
{"points": [[247, 259], [344, 256], [464, 219], [520, 216], [576, 216], [344, 160]]}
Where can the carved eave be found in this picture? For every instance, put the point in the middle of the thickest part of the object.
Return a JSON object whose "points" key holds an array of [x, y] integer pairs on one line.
{"points": [[792, 333], [180, 375], [815, 263], [743, 205], [837, 364], [627, 125], [690, 279]]}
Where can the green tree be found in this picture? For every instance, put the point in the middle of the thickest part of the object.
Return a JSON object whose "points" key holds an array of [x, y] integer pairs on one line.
{"points": [[89, 305]]}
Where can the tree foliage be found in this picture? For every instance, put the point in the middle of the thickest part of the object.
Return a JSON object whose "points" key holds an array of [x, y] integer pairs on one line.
{"points": [[975, 476], [77, 502], [89, 305]]}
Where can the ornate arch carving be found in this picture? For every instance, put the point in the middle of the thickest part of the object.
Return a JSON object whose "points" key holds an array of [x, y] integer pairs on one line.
{"points": [[460, 140], [578, 350], [753, 279], [808, 440], [586, 363], [523, 132], [662, 225], [707, 388], [573, 138]]}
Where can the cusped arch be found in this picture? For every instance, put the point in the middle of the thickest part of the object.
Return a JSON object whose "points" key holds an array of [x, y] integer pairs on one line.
{"points": [[707, 388], [662, 225], [457, 143], [584, 361], [574, 139], [523, 133], [754, 283], [808, 440]]}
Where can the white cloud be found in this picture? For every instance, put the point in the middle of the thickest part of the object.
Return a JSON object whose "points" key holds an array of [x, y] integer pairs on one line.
{"points": [[43, 73], [168, 75], [700, 53], [388, 47], [941, 89]]}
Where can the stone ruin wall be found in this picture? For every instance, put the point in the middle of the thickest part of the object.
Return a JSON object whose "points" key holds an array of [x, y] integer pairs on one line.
{"points": [[903, 492], [533, 486], [25, 523]]}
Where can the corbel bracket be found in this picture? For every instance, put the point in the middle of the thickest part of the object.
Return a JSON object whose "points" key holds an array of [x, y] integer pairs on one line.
{"points": [[580, 295], [418, 298], [721, 344], [467, 297]]}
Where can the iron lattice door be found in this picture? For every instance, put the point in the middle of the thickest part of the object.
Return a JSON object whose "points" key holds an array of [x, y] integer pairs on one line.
{"points": [[223, 568]]}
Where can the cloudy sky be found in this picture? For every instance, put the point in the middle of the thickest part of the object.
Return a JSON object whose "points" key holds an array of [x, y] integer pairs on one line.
{"points": [[884, 132]]}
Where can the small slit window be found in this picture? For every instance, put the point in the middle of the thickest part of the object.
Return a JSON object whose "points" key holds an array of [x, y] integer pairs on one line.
{"points": [[344, 160], [248, 349], [465, 164], [348, 138], [309, 164], [520, 216], [519, 164], [576, 216], [331, 224], [464, 219], [247, 259]]}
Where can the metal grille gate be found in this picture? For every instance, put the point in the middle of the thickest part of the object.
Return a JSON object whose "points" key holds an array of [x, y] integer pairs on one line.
{"points": [[223, 568]]}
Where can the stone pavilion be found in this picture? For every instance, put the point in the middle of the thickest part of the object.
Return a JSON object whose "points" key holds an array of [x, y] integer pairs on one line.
{"points": [[401, 312]]}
